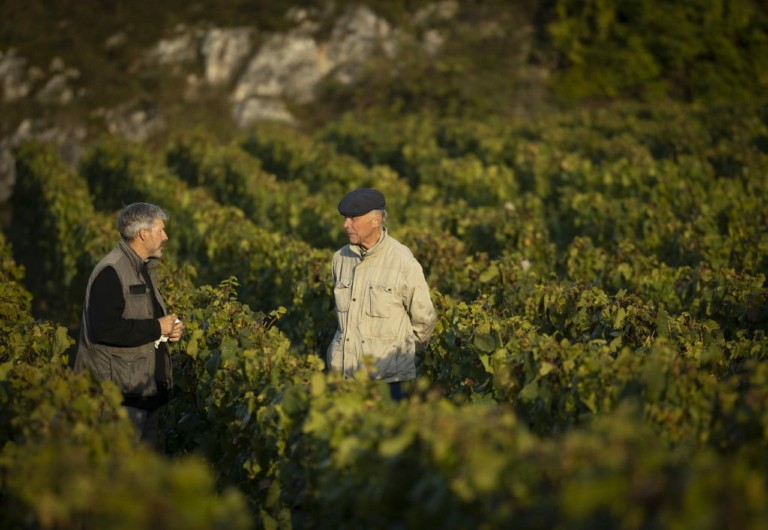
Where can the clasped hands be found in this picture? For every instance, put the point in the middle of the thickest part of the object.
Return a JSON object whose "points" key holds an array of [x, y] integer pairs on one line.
{"points": [[172, 327]]}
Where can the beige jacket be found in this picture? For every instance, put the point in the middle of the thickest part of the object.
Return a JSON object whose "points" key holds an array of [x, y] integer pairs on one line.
{"points": [[383, 308]]}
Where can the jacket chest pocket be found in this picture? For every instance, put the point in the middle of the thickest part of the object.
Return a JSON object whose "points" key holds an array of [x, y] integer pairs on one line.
{"points": [[342, 293], [383, 302], [138, 306]]}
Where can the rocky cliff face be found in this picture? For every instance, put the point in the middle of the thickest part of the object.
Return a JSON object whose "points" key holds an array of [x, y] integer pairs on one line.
{"points": [[261, 75]]}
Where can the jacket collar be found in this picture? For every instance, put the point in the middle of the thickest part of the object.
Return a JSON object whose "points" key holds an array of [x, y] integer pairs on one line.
{"points": [[357, 249], [136, 261]]}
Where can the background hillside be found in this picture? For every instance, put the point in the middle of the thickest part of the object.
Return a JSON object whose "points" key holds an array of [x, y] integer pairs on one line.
{"points": [[70, 71]]}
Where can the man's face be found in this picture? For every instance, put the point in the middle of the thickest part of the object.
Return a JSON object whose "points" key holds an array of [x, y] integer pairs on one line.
{"points": [[363, 230], [154, 239]]}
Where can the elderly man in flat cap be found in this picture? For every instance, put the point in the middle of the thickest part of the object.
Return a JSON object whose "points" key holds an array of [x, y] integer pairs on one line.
{"points": [[385, 315]]}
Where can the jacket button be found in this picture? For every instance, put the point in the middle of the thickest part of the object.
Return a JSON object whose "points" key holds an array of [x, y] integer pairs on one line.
{"points": [[354, 299]]}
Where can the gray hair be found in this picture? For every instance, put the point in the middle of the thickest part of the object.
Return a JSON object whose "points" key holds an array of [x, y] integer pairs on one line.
{"points": [[382, 213], [138, 216]]}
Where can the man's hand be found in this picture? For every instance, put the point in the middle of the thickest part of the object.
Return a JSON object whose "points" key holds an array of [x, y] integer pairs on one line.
{"points": [[167, 323], [178, 329]]}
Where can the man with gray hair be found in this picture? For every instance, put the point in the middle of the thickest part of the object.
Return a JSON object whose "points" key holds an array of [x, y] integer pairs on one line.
{"points": [[383, 307], [125, 324]]}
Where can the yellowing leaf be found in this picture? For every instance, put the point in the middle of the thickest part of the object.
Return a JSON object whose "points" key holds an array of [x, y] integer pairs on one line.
{"points": [[545, 368], [485, 342]]}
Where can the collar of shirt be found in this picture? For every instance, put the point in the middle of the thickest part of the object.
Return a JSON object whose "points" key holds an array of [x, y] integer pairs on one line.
{"points": [[363, 253]]}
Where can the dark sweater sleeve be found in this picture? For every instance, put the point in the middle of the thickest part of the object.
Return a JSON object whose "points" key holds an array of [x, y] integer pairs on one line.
{"points": [[105, 312]]}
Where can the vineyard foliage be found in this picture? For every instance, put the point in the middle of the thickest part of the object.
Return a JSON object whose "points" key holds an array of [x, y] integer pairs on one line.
{"points": [[69, 459], [599, 358]]}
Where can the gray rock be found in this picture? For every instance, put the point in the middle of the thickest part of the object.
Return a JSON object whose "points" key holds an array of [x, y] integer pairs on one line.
{"points": [[176, 50], [224, 51], [290, 65], [7, 170], [14, 80], [432, 41], [355, 37], [287, 65], [257, 109], [439, 11], [134, 120], [56, 90], [68, 141], [118, 40]]}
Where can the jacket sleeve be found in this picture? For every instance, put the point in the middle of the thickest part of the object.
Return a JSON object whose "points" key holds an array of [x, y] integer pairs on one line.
{"points": [[419, 305]]}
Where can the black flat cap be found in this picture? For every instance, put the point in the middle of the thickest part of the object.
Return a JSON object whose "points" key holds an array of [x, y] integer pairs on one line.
{"points": [[361, 201]]}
